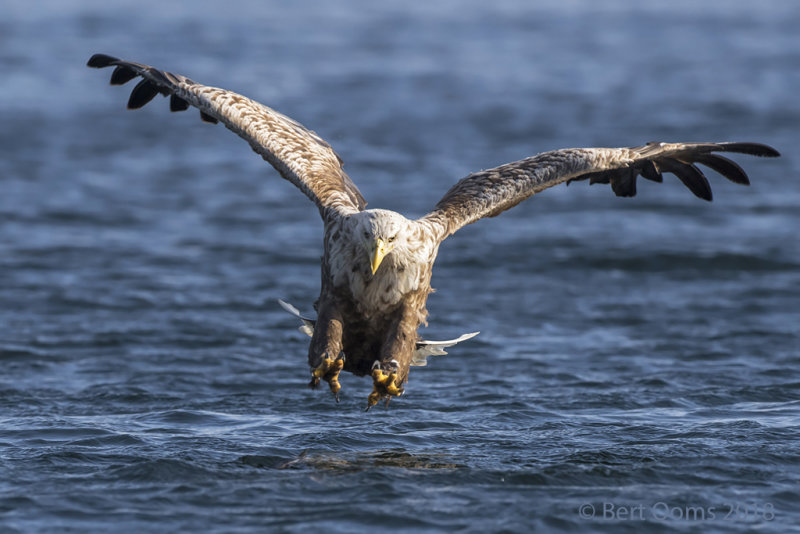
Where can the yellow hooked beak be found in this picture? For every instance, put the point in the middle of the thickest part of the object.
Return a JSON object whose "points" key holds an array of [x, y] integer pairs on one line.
{"points": [[377, 251]]}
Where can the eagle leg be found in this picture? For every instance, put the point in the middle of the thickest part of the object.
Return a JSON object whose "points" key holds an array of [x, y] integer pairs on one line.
{"points": [[327, 341], [390, 372]]}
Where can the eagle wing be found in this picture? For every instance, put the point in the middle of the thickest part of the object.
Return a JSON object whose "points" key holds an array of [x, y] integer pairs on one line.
{"points": [[490, 192], [298, 154]]}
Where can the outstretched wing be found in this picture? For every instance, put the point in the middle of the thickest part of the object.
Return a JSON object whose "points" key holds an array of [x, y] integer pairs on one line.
{"points": [[298, 154], [489, 193]]}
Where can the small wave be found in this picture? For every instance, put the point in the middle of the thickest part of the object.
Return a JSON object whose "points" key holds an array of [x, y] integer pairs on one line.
{"points": [[162, 470]]}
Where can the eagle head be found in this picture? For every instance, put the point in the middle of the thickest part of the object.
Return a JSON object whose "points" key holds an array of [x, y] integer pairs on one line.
{"points": [[383, 232]]}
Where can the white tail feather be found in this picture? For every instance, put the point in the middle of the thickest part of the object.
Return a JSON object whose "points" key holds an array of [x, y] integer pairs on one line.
{"points": [[308, 324], [436, 348]]}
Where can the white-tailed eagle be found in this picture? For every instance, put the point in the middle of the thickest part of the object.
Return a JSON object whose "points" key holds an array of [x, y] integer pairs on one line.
{"points": [[376, 267]]}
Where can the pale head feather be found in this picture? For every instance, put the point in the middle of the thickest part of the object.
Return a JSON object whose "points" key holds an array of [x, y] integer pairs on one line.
{"points": [[404, 268]]}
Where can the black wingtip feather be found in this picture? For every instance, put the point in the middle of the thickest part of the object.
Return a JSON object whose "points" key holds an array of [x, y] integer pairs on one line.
{"points": [[754, 149], [122, 75], [208, 118], [143, 93], [650, 171], [727, 168], [690, 175], [98, 61], [623, 182], [160, 77], [176, 103]]}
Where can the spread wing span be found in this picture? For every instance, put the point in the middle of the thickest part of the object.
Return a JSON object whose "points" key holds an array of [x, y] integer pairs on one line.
{"points": [[490, 192], [298, 154]]}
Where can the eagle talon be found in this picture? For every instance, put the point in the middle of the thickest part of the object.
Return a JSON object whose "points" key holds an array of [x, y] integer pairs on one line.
{"points": [[384, 385], [333, 383], [331, 375], [322, 369], [391, 385]]}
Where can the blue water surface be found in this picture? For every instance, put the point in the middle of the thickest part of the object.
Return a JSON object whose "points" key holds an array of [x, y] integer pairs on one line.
{"points": [[638, 367]]}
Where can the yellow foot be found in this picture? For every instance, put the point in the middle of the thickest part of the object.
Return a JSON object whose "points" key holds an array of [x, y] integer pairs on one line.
{"points": [[384, 384], [332, 376], [320, 370], [328, 370]]}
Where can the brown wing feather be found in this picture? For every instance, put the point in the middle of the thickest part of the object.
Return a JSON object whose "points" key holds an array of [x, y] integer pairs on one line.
{"points": [[299, 154], [490, 192]]}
